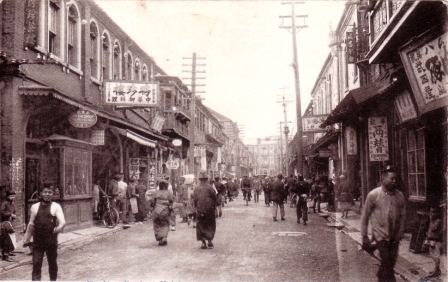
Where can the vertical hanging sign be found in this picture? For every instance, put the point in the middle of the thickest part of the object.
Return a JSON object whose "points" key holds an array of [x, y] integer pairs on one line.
{"points": [[350, 135], [378, 139]]}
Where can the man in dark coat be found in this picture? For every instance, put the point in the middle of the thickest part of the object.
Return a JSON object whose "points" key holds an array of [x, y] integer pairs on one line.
{"points": [[204, 197], [278, 196], [302, 189], [220, 188]]}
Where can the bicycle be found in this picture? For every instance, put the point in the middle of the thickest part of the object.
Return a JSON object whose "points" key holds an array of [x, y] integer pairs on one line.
{"points": [[110, 216]]}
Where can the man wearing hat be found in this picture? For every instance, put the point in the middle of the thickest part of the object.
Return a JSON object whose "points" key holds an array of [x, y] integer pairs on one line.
{"points": [[385, 210], [205, 201]]}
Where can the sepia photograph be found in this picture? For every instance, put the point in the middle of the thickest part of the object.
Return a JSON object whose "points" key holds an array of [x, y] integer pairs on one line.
{"points": [[223, 140]]}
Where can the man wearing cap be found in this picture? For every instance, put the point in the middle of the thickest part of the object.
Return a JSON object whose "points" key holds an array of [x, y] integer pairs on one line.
{"points": [[277, 197], [385, 210], [256, 185], [205, 201]]}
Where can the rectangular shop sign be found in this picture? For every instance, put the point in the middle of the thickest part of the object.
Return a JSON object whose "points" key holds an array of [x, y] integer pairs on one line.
{"points": [[312, 124], [97, 137], [203, 163], [378, 139], [425, 62], [350, 135], [405, 106], [131, 93], [218, 158], [134, 168], [157, 122]]}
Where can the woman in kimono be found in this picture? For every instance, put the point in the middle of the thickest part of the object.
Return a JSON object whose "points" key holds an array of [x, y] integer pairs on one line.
{"points": [[162, 201]]}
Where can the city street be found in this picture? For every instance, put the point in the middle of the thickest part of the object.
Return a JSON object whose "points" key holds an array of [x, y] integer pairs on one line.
{"points": [[249, 246]]}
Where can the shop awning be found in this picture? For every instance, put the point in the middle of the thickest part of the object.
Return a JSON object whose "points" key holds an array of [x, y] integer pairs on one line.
{"points": [[328, 138], [351, 104], [134, 136], [38, 90]]}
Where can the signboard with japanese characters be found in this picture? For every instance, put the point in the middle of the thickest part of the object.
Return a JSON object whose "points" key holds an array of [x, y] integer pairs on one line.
{"points": [[97, 137], [405, 106], [350, 135], [378, 139], [82, 119], [312, 124], [172, 164], [127, 93], [425, 62], [157, 122], [214, 166]]}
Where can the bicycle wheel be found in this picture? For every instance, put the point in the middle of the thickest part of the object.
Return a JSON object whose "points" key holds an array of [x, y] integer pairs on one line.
{"points": [[110, 218]]}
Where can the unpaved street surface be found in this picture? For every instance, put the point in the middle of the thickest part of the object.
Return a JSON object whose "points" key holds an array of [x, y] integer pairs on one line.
{"points": [[249, 246]]}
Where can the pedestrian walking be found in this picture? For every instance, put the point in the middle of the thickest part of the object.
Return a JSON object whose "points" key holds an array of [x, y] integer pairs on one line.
{"points": [[278, 196], [183, 195], [7, 235], [256, 185], [302, 190], [267, 191], [385, 210], [220, 189], [131, 195], [205, 202], [162, 203], [315, 194], [291, 186], [173, 214], [140, 191], [434, 240], [246, 187], [345, 198], [46, 222]]}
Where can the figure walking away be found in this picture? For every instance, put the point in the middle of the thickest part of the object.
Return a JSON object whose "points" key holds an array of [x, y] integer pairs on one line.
{"points": [[46, 222], [278, 196], [205, 202], [162, 201], [385, 210], [345, 198]]}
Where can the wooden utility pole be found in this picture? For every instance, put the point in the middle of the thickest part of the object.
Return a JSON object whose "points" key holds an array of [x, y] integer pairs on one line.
{"points": [[193, 107], [286, 131], [294, 29]]}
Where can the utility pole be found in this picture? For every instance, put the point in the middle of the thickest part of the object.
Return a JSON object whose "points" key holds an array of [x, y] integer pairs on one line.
{"points": [[286, 129], [284, 164], [193, 106], [294, 29]]}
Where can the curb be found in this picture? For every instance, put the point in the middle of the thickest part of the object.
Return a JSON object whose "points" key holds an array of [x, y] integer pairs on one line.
{"points": [[73, 244], [400, 266]]}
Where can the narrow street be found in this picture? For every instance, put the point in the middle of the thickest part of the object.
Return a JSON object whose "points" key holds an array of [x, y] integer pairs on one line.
{"points": [[249, 246]]}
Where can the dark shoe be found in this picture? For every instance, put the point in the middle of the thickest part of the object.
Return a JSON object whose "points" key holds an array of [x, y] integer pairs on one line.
{"points": [[220, 214], [304, 222], [275, 219], [210, 245], [283, 218], [298, 221], [204, 246], [12, 255]]}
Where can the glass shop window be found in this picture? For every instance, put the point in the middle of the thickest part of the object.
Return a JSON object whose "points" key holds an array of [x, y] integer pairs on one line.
{"points": [[416, 164], [77, 168]]}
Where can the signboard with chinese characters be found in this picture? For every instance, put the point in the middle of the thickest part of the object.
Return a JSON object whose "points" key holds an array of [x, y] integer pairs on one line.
{"points": [[312, 124], [350, 135], [351, 47], [127, 93], [172, 164], [214, 166], [82, 119], [425, 62], [157, 122], [97, 137], [134, 168], [405, 106], [378, 139]]}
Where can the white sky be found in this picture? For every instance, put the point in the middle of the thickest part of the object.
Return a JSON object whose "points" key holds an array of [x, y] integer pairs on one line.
{"points": [[247, 55]]}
